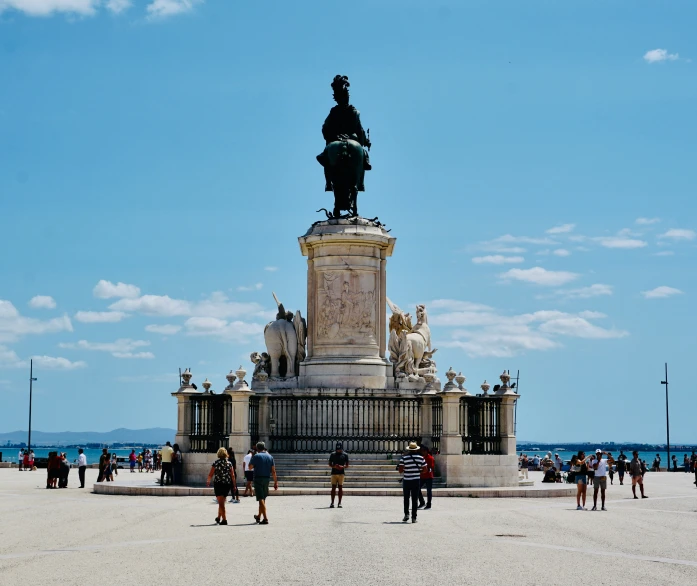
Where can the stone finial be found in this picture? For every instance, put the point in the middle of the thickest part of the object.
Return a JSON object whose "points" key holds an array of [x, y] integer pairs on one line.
{"points": [[241, 372], [206, 384], [505, 379], [230, 376], [485, 387], [451, 374], [430, 378], [460, 379], [186, 378]]}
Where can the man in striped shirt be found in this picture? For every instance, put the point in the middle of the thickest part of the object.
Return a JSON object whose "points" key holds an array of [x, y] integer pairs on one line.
{"points": [[410, 465]]}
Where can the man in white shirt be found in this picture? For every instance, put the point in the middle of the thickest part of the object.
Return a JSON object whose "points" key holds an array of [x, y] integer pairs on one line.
{"points": [[558, 462], [81, 466], [20, 459], [600, 480], [248, 474]]}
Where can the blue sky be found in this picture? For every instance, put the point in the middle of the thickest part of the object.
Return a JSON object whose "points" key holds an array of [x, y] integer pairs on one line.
{"points": [[536, 162]]}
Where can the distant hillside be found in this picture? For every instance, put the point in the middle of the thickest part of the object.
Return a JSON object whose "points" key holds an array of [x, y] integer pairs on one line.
{"points": [[154, 435]]}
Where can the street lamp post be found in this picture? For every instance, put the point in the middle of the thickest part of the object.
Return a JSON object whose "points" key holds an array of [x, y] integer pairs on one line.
{"points": [[31, 380], [665, 382]]}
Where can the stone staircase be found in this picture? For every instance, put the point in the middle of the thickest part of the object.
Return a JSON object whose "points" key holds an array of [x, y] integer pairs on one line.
{"points": [[365, 471]]}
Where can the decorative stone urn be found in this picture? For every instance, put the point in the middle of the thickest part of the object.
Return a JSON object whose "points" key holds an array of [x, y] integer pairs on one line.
{"points": [[450, 375], [186, 378], [485, 388], [505, 379], [230, 376], [460, 380], [206, 384]]}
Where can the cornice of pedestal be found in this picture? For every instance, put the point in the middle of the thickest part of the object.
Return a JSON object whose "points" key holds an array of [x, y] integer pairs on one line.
{"points": [[350, 231]]}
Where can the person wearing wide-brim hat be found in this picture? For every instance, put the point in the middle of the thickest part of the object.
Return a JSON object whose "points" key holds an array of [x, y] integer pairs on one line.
{"points": [[410, 465]]}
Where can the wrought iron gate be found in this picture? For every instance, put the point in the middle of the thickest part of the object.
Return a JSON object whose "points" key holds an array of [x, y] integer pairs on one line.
{"points": [[211, 418], [480, 425], [364, 424]]}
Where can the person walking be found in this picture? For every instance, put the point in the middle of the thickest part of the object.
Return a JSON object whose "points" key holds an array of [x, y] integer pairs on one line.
{"points": [[426, 478], [224, 479], [621, 466], [637, 476], [338, 462], [248, 474], [264, 468], [81, 466], [599, 480], [177, 465], [132, 458], [656, 466], [675, 463], [166, 473], [410, 465], [685, 463], [610, 467], [114, 464], [31, 461], [20, 460], [235, 497], [103, 460]]}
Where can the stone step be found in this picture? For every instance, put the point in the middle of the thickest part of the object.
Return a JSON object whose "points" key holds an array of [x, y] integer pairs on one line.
{"points": [[352, 484], [324, 467], [325, 456]]}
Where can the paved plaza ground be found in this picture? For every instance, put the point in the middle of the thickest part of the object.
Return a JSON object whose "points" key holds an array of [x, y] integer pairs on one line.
{"points": [[73, 536]]}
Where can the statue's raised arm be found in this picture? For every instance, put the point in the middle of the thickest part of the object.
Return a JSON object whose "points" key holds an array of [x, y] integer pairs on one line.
{"points": [[345, 157]]}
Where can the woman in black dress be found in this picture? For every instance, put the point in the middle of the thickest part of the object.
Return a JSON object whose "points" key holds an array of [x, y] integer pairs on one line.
{"points": [[224, 480]]}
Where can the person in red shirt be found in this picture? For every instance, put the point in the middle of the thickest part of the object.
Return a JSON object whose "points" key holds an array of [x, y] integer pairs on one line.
{"points": [[427, 474]]}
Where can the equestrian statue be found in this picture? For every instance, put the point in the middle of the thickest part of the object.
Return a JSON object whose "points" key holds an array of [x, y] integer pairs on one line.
{"points": [[345, 157]]}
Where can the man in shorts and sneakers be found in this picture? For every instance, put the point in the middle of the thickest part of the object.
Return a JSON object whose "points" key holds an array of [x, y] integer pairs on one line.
{"points": [[599, 480], [637, 475], [264, 468], [338, 462], [621, 466], [248, 474]]}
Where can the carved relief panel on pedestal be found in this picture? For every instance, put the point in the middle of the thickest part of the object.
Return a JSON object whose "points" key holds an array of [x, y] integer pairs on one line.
{"points": [[346, 307]]}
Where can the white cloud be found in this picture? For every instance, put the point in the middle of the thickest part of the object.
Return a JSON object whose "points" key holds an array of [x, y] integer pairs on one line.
{"points": [[164, 329], [540, 276], [97, 317], [49, 362], [237, 331], [118, 6], [661, 292], [217, 305], [13, 325], [679, 234], [586, 292], [107, 290], [255, 287], [145, 355], [42, 302], [484, 332], [647, 221], [271, 269], [659, 55], [510, 239], [561, 252], [153, 305], [121, 348], [497, 259], [9, 359], [664, 253], [164, 8], [579, 327], [49, 7], [563, 229], [619, 242]]}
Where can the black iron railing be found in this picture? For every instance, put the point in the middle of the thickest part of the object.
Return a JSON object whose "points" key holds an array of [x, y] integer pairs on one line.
{"points": [[254, 419], [365, 425], [436, 423], [480, 425], [211, 417]]}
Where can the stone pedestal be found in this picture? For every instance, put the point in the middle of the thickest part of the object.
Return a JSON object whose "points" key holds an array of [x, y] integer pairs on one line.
{"points": [[183, 396], [346, 305]]}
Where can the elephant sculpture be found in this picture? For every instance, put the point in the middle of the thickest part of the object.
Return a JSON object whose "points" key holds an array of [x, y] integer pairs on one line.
{"points": [[281, 340], [285, 338]]}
